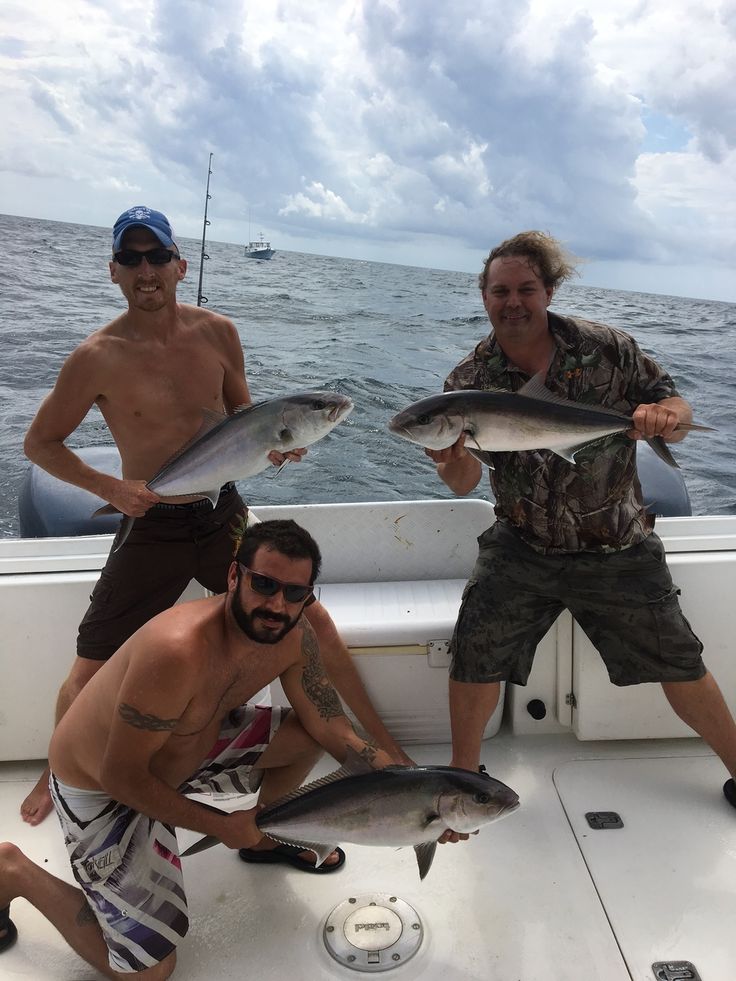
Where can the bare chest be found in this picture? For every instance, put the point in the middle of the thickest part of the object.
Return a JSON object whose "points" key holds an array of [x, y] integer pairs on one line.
{"points": [[153, 401], [221, 694]]}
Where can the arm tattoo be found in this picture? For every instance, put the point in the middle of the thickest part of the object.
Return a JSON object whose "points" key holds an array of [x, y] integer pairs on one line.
{"points": [[315, 682], [369, 752], [150, 722], [85, 915]]}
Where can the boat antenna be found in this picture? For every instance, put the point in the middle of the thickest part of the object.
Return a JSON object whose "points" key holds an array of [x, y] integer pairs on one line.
{"points": [[200, 298]]}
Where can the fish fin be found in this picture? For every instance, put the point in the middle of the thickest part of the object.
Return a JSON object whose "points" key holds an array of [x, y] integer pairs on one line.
{"points": [[689, 426], [200, 846], [568, 452], [536, 389], [353, 766], [425, 855], [210, 419], [212, 496], [122, 533], [248, 406], [107, 509], [662, 450], [484, 456], [319, 848]]}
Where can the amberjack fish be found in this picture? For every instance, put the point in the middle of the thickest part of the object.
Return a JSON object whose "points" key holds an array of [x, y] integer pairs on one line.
{"points": [[237, 446], [534, 418], [398, 805]]}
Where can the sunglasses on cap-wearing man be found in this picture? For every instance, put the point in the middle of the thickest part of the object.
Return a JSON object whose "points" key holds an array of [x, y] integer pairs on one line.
{"points": [[268, 586], [154, 257]]}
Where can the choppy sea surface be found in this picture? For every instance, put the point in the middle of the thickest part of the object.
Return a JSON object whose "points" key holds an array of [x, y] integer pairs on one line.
{"points": [[386, 335]]}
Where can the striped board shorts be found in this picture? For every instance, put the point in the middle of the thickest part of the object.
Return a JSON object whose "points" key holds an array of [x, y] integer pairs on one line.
{"points": [[128, 864]]}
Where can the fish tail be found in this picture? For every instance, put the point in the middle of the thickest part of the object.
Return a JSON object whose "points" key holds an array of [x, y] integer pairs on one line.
{"points": [[690, 426], [123, 531], [106, 509], [661, 449]]}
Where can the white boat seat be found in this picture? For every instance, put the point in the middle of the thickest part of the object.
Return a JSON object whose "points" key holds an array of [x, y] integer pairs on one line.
{"points": [[387, 614]]}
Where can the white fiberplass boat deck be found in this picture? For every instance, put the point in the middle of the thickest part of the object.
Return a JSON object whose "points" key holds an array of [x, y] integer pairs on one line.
{"points": [[538, 895]]}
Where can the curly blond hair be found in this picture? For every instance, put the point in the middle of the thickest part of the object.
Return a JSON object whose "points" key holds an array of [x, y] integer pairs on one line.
{"points": [[549, 259]]}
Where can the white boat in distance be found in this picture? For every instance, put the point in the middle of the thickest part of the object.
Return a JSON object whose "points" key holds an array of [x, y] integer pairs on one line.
{"points": [[260, 249], [560, 890]]}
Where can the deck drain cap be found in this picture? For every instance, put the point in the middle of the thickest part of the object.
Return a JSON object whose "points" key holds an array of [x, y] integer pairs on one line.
{"points": [[373, 933]]}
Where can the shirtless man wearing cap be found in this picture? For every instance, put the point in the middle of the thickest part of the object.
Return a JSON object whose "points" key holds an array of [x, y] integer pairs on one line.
{"points": [[150, 372]]}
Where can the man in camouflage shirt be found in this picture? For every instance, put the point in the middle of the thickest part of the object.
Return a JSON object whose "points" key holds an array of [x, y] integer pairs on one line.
{"points": [[569, 536]]}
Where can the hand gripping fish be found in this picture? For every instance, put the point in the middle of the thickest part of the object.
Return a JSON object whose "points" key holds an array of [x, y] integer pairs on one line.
{"points": [[398, 805], [236, 447], [534, 418]]}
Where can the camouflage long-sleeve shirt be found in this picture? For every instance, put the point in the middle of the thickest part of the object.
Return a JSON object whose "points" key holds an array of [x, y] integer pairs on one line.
{"points": [[595, 504]]}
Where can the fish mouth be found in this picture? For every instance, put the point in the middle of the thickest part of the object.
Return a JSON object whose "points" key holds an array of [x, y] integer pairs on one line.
{"points": [[340, 409]]}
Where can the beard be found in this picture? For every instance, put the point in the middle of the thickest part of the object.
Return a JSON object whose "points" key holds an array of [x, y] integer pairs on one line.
{"points": [[247, 621]]}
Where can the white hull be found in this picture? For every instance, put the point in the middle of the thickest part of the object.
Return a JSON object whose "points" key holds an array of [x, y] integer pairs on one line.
{"points": [[538, 895]]}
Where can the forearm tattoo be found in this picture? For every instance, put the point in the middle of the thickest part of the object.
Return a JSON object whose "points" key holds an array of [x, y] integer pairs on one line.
{"points": [[315, 682], [369, 751], [152, 723]]}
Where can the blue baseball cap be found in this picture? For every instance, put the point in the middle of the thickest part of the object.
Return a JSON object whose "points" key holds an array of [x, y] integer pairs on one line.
{"points": [[142, 217]]}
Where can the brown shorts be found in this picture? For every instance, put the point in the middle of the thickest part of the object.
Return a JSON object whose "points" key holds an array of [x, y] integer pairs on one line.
{"points": [[166, 548], [625, 602]]}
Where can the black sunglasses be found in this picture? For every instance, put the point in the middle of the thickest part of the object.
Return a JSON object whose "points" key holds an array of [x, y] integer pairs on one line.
{"points": [[154, 257], [268, 586]]}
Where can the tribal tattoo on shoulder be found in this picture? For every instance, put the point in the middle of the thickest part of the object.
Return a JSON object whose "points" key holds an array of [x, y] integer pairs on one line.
{"points": [[315, 682], [139, 720]]}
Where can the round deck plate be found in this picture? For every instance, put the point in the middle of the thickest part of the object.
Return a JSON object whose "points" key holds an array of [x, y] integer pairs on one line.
{"points": [[373, 933]]}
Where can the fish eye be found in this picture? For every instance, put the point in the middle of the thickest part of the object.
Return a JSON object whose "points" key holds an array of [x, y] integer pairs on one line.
{"points": [[424, 420], [482, 797], [319, 404]]}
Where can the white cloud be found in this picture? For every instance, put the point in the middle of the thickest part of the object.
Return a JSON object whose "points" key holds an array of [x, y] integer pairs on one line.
{"points": [[390, 122]]}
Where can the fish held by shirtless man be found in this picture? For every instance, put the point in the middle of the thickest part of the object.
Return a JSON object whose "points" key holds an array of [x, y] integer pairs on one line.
{"points": [[134, 744], [151, 371]]}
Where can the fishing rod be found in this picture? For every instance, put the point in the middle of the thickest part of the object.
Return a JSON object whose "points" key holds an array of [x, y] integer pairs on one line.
{"points": [[200, 298]]}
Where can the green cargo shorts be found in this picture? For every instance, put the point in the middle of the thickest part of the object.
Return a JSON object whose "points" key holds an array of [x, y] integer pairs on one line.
{"points": [[625, 602]]}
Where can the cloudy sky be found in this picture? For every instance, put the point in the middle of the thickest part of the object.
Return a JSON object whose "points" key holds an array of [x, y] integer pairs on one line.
{"points": [[413, 131]]}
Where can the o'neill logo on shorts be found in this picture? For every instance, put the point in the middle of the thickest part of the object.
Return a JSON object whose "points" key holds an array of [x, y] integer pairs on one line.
{"points": [[98, 867]]}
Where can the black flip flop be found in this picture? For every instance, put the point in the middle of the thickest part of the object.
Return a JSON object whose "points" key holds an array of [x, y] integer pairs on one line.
{"points": [[290, 855], [11, 934], [729, 792]]}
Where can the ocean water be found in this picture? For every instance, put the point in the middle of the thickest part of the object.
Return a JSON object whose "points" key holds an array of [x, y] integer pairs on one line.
{"points": [[383, 334]]}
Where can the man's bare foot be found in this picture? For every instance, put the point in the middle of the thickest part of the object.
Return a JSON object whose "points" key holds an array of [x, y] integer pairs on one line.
{"points": [[37, 804]]}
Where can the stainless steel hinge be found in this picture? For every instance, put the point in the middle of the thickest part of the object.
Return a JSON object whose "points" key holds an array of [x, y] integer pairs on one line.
{"points": [[438, 653]]}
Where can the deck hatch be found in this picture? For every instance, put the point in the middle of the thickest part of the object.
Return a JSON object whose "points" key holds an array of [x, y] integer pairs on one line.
{"points": [[604, 820], [373, 933], [675, 971]]}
